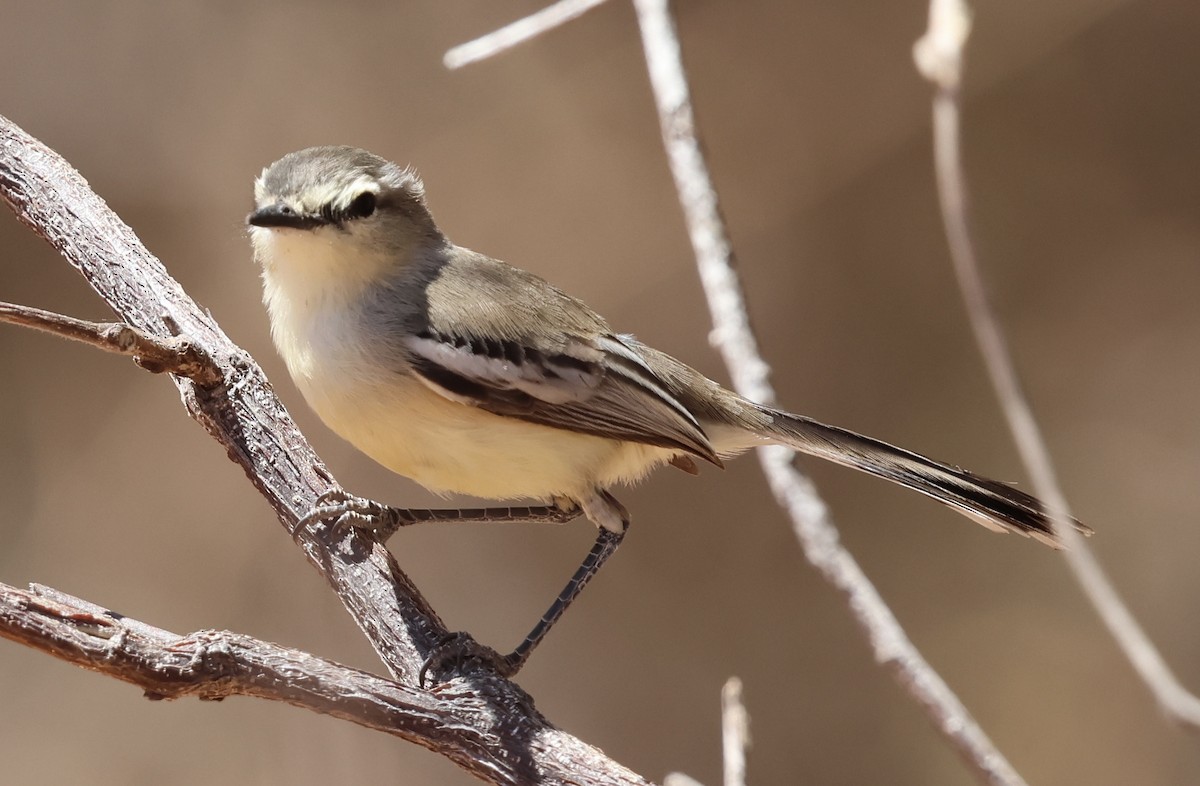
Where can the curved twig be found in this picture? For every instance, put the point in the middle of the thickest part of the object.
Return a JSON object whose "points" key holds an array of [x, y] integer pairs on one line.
{"points": [[939, 59], [735, 341]]}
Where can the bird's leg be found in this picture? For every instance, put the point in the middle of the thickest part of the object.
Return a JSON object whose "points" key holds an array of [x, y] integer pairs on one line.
{"points": [[613, 521], [606, 543], [342, 510]]}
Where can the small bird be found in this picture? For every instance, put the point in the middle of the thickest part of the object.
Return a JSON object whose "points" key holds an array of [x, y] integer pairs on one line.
{"points": [[474, 377]]}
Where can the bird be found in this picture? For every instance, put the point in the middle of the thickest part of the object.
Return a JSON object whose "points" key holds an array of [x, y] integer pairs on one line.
{"points": [[471, 376]]}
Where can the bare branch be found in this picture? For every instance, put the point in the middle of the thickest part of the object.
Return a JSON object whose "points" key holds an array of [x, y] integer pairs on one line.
{"points": [[735, 732], [517, 32], [939, 58], [679, 779], [735, 739], [243, 414], [735, 340], [215, 664], [158, 355], [938, 53]]}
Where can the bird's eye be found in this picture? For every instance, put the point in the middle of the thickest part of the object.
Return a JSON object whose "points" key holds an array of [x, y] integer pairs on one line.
{"points": [[362, 206]]}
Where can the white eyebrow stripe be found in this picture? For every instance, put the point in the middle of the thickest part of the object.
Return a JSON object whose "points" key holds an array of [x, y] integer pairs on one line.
{"points": [[337, 196]]}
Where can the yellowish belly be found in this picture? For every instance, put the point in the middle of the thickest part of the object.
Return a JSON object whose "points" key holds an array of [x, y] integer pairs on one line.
{"points": [[450, 447]]}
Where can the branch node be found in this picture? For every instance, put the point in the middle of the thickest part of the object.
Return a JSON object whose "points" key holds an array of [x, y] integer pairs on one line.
{"points": [[938, 53], [156, 354], [116, 643]]}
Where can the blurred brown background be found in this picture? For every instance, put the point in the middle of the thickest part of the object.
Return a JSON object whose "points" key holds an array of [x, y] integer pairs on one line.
{"points": [[1081, 129]]}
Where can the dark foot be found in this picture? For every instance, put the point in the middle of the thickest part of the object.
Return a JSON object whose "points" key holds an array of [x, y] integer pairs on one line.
{"points": [[458, 648], [339, 510]]}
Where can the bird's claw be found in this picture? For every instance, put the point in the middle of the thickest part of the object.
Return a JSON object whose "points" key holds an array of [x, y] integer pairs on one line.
{"points": [[457, 648], [339, 509]]}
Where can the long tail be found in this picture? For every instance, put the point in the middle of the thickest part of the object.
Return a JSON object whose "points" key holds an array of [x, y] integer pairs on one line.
{"points": [[991, 503]]}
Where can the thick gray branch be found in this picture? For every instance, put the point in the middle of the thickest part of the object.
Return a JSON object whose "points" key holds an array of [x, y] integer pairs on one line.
{"points": [[215, 664], [243, 414]]}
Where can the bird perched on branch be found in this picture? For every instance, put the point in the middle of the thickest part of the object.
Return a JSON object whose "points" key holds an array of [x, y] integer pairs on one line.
{"points": [[471, 376]]}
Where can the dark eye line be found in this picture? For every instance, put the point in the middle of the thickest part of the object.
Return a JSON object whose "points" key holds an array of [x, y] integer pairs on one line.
{"points": [[362, 206]]}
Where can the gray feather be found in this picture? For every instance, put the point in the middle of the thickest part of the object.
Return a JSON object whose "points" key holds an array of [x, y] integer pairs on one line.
{"points": [[535, 353], [990, 502]]}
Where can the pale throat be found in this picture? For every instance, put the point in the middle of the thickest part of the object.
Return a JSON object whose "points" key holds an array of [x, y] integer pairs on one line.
{"points": [[310, 279], [326, 264]]}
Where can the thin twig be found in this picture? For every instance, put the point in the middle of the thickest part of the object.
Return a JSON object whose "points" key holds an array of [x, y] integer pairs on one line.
{"points": [[518, 32], [735, 739], [735, 732], [159, 355], [736, 342], [939, 56]]}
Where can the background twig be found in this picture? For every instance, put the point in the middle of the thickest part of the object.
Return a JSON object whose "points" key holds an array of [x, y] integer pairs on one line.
{"points": [[939, 56], [735, 732], [518, 32], [736, 343]]}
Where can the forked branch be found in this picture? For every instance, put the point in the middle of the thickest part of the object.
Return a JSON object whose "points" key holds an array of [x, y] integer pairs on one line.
{"points": [[158, 355], [486, 724]]}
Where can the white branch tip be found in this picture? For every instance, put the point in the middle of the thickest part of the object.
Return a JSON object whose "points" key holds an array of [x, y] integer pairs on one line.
{"points": [[517, 32], [938, 53]]}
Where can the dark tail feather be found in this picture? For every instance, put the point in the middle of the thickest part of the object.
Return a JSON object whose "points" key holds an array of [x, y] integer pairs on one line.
{"points": [[991, 503]]}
